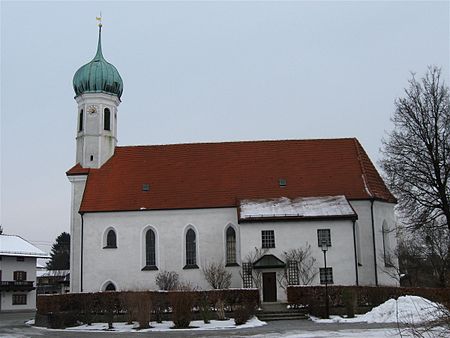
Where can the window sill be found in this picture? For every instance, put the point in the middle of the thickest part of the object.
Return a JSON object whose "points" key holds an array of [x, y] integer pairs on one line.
{"points": [[232, 264], [190, 266], [110, 247], [149, 268]]}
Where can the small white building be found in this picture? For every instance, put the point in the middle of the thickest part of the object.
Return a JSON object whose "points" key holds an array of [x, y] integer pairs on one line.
{"points": [[18, 273], [138, 210]]}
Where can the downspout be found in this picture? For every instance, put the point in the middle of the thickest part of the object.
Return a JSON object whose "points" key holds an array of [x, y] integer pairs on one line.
{"points": [[373, 240], [81, 253], [354, 249]]}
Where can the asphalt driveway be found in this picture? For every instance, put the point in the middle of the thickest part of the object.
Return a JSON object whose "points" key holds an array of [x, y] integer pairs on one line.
{"points": [[12, 325]]}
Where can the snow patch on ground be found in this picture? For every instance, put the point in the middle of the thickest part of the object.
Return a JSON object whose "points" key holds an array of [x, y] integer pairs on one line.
{"points": [[406, 309], [196, 325]]}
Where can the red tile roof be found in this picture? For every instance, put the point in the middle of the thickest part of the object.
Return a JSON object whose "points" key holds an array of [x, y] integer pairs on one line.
{"points": [[209, 175]]}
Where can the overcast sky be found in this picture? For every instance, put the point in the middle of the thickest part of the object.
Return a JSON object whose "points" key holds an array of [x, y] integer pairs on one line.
{"points": [[200, 71]]}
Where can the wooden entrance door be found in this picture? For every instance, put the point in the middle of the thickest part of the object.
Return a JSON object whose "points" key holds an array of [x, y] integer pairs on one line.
{"points": [[269, 287]]}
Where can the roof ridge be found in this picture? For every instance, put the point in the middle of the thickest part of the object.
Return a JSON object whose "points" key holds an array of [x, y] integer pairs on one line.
{"points": [[361, 165], [238, 141]]}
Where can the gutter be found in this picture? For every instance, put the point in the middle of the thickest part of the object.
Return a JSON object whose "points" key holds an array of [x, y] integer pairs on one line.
{"points": [[354, 250], [81, 252], [373, 240]]}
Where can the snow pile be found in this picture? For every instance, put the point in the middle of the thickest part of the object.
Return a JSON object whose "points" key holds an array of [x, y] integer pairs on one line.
{"points": [[406, 309], [196, 325], [299, 207]]}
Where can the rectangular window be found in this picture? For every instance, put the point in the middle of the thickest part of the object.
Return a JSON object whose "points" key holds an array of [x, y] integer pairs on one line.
{"points": [[20, 259], [19, 299], [268, 239], [324, 236], [326, 275], [20, 275]]}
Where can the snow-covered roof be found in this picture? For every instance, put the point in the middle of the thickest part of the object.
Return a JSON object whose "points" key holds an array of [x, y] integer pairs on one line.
{"points": [[13, 245], [52, 273], [303, 207]]}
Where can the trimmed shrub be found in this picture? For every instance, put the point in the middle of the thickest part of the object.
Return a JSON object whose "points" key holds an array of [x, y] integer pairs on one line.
{"points": [[365, 296], [144, 309], [65, 310], [241, 314], [205, 308], [349, 298], [181, 303]]}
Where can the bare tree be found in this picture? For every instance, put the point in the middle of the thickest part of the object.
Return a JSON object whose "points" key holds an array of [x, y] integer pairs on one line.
{"points": [[305, 263], [251, 258], [422, 257], [167, 280], [216, 275], [417, 152]]}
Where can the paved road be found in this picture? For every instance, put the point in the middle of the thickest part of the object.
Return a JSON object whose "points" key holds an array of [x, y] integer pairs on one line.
{"points": [[12, 325]]}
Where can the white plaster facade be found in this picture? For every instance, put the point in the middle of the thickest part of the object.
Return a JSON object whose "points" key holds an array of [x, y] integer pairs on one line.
{"points": [[18, 273], [95, 144], [122, 266]]}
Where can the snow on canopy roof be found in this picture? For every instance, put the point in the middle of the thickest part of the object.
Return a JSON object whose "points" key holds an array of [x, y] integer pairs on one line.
{"points": [[303, 207], [13, 245]]}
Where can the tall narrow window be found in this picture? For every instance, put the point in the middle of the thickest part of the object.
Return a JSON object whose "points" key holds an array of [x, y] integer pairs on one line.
{"points": [[150, 249], [386, 247], [111, 240], [358, 244], [80, 122], [191, 254], [107, 119], [231, 246]]}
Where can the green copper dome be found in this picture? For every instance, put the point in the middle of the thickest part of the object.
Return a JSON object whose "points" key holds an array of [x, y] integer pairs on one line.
{"points": [[98, 76]]}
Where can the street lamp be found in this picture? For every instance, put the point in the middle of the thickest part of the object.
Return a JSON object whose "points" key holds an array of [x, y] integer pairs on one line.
{"points": [[327, 305]]}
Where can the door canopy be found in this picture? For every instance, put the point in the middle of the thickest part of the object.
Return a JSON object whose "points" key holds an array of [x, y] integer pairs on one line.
{"points": [[268, 262]]}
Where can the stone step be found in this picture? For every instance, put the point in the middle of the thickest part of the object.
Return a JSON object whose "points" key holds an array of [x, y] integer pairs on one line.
{"points": [[266, 318]]}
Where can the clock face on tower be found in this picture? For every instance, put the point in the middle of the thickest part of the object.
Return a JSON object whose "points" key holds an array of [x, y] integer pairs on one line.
{"points": [[92, 109]]}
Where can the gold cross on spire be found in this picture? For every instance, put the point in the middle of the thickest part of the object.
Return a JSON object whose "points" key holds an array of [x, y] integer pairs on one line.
{"points": [[99, 20]]}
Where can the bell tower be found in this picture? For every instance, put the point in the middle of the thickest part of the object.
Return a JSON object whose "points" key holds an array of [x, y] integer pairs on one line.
{"points": [[98, 88]]}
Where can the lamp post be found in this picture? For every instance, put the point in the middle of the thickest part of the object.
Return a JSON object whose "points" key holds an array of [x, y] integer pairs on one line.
{"points": [[327, 305]]}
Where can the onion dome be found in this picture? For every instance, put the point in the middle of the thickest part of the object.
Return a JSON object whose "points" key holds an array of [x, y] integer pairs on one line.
{"points": [[98, 76]]}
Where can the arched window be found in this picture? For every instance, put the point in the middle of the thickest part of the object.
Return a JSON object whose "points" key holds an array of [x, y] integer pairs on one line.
{"points": [[150, 249], [111, 240], [358, 244], [231, 246], [107, 119], [80, 122], [110, 287], [386, 245], [191, 250]]}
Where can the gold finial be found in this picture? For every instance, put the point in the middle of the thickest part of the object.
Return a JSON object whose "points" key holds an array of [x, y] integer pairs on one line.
{"points": [[99, 20]]}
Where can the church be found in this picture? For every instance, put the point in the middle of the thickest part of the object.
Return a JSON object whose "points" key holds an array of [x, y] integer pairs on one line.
{"points": [[140, 210]]}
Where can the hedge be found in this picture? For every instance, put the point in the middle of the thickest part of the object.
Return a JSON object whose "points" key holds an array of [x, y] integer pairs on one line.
{"points": [[313, 297], [83, 306]]}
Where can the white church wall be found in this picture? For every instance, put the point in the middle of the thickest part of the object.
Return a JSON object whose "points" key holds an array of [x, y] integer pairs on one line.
{"points": [[123, 265], [78, 185], [384, 213], [381, 211], [297, 234]]}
